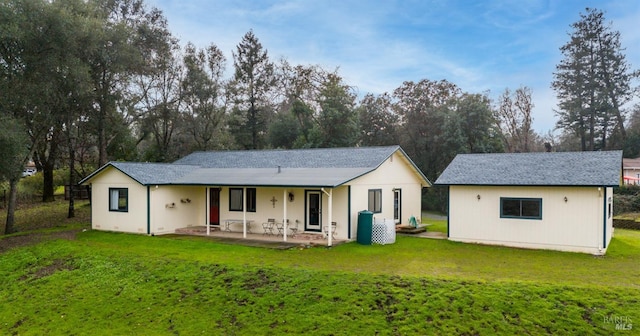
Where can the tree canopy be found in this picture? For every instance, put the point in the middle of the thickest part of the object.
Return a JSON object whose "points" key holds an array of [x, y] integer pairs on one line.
{"points": [[593, 83], [93, 81]]}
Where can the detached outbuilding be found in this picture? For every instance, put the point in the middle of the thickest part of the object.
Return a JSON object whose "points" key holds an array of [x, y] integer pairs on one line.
{"points": [[556, 201]]}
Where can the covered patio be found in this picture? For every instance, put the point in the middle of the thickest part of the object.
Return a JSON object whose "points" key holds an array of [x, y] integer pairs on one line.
{"points": [[285, 213], [259, 238]]}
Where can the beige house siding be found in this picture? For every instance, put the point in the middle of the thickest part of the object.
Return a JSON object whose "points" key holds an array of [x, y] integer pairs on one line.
{"points": [[174, 207], [609, 214], [394, 173], [575, 225], [134, 220], [266, 209]]}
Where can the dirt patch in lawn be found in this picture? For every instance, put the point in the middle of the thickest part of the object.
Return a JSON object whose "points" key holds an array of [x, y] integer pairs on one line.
{"points": [[57, 265], [8, 243]]}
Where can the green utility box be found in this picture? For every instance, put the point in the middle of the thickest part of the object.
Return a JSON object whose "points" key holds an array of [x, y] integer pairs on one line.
{"points": [[365, 227]]}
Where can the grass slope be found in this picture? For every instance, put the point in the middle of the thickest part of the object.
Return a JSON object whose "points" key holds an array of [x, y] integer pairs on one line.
{"points": [[108, 283]]}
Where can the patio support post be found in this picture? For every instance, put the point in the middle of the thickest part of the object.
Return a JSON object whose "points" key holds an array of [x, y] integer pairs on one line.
{"points": [[328, 227], [284, 220], [207, 220], [244, 213]]}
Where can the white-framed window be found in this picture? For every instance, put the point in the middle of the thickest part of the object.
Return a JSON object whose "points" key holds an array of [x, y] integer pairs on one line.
{"points": [[375, 200], [397, 205], [119, 199], [523, 208]]}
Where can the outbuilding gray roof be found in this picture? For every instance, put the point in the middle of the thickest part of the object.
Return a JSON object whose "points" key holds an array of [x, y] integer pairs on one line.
{"points": [[324, 167], [535, 169]]}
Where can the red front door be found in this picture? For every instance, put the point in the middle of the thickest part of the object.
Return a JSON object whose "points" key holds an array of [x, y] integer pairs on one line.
{"points": [[214, 206]]}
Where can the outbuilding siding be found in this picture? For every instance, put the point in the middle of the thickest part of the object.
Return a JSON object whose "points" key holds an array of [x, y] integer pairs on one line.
{"points": [[572, 225]]}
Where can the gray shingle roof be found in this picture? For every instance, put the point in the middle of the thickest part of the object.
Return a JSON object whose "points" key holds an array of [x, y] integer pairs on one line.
{"points": [[358, 157], [535, 169], [288, 177], [153, 173], [324, 167]]}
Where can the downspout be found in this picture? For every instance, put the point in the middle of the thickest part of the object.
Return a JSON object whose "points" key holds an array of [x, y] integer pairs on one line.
{"points": [[148, 210]]}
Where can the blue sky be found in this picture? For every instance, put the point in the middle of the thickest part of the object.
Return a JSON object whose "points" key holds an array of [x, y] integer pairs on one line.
{"points": [[478, 45]]}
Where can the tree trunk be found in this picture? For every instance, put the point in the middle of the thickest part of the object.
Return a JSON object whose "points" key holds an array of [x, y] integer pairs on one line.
{"points": [[592, 129], [72, 159], [102, 136], [48, 185], [48, 157], [11, 208]]}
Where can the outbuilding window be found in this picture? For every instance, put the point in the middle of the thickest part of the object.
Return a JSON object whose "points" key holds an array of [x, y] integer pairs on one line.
{"points": [[524, 208], [119, 199]]}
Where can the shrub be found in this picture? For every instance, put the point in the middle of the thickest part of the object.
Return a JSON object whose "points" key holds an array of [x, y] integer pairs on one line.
{"points": [[628, 190], [435, 199], [30, 187], [626, 199]]}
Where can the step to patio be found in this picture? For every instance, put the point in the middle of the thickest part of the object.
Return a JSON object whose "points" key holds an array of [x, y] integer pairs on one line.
{"points": [[410, 229], [308, 236], [196, 230]]}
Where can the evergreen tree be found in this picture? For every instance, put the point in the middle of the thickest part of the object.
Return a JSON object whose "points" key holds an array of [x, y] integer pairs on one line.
{"points": [[251, 87], [593, 82]]}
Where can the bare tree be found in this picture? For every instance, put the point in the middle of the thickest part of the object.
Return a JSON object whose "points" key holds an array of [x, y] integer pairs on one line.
{"points": [[513, 117]]}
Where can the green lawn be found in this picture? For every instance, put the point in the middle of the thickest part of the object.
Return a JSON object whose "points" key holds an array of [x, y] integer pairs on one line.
{"points": [[108, 283]]}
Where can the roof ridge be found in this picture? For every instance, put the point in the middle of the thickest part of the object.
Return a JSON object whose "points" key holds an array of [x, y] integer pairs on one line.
{"points": [[290, 149]]}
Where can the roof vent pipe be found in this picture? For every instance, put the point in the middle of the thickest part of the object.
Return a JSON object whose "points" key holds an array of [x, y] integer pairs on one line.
{"points": [[278, 169]]}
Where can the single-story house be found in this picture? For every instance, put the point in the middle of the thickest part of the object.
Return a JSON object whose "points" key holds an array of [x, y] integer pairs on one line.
{"points": [[631, 171], [557, 201], [312, 188]]}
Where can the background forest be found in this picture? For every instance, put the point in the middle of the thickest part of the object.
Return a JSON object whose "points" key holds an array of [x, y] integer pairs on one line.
{"points": [[86, 82]]}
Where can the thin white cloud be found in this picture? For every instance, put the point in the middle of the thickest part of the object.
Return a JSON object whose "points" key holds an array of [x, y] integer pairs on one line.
{"points": [[479, 46]]}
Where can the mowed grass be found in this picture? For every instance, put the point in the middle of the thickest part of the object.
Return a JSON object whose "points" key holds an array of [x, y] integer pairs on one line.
{"points": [[109, 283]]}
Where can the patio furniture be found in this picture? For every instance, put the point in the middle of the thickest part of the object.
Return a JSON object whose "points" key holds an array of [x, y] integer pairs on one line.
{"points": [[294, 228], [334, 225], [280, 227], [268, 226], [228, 222]]}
